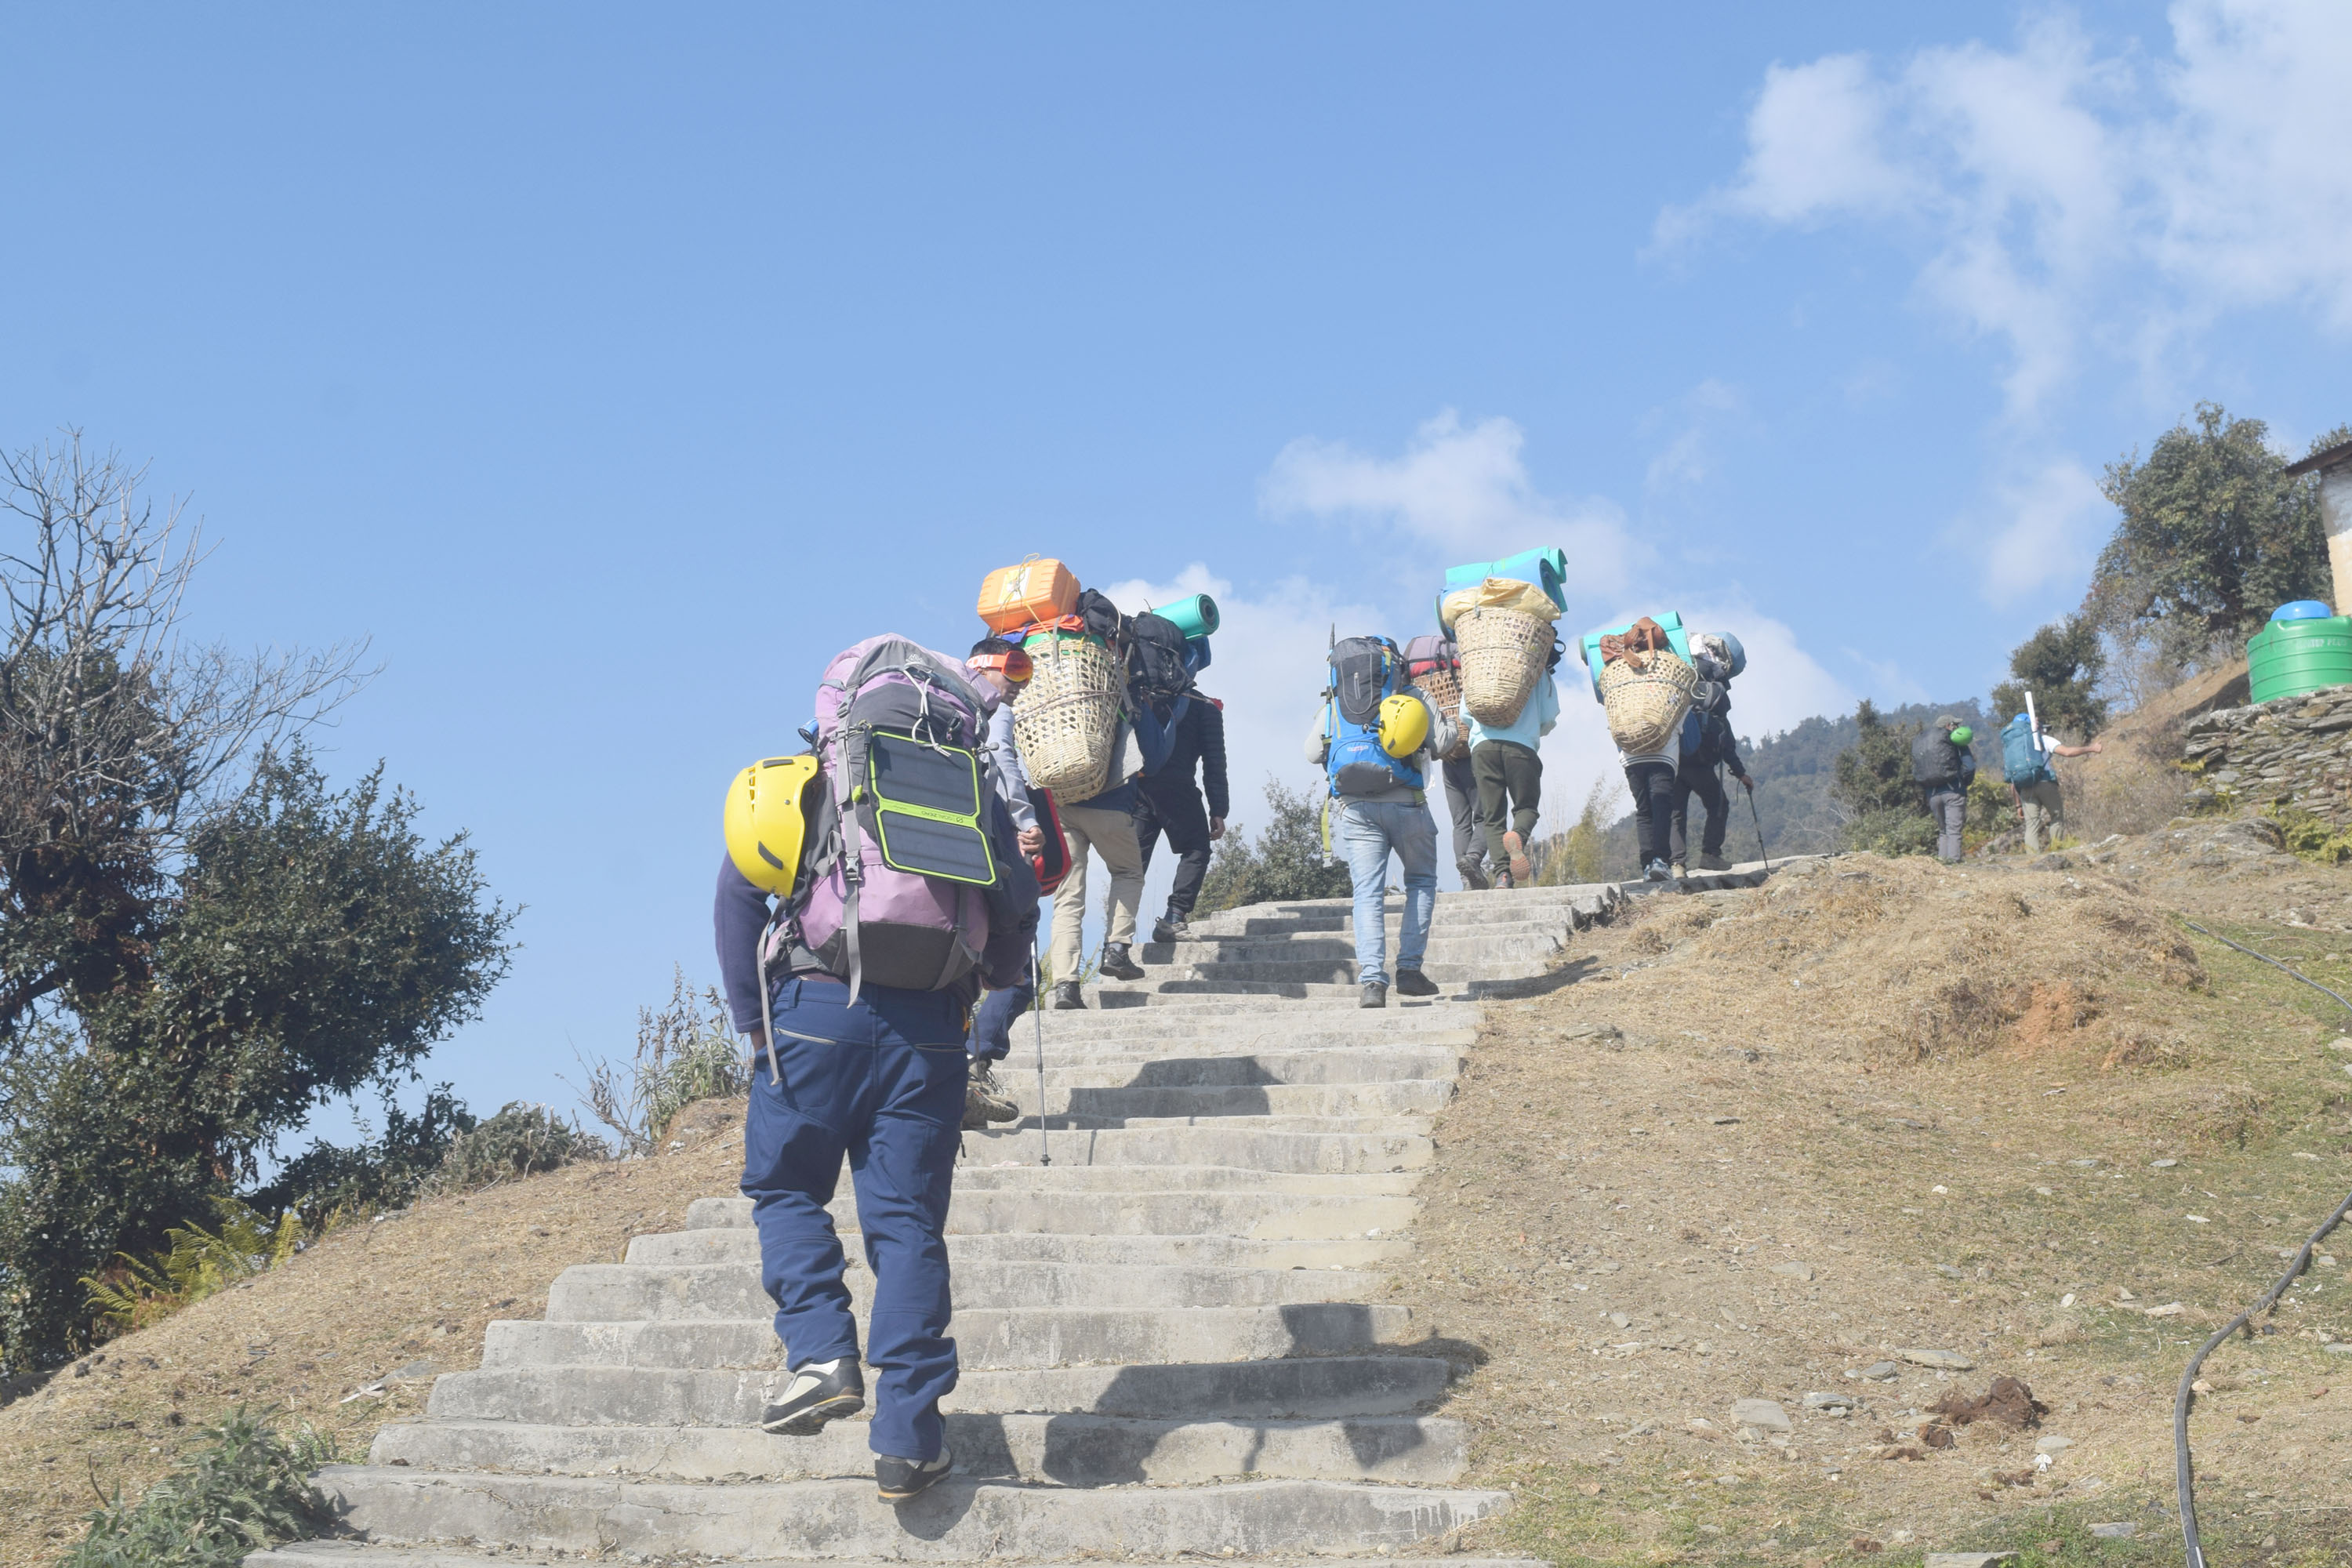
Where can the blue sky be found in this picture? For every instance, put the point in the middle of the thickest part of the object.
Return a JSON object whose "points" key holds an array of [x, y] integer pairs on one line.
{"points": [[609, 369]]}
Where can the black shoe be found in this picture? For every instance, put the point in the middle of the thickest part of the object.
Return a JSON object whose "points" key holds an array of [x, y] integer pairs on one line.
{"points": [[1474, 874], [1168, 928], [1119, 965], [1414, 983], [1067, 996], [820, 1392], [898, 1480], [1375, 994]]}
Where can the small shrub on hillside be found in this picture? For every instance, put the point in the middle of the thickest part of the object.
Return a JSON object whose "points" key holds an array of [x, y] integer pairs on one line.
{"points": [[519, 1140], [1286, 862], [687, 1051], [244, 1492], [375, 1175], [2313, 837], [201, 1263]]}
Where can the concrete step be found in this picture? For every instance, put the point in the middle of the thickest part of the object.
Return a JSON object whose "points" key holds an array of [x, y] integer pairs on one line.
{"points": [[1271, 1216], [1293, 1389], [624, 1293], [360, 1554], [742, 1245], [1257, 994], [1068, 1178], [1339, 968], [960, 1520], [985, 1336], [1122, 1102], [1157, 1065], [1390, 1123], [1512, 943], [1037, 1450], [1311, 1007], [1250, 1030]]}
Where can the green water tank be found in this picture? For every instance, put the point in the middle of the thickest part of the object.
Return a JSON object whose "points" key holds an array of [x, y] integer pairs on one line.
{"points": [[2287, 658]]}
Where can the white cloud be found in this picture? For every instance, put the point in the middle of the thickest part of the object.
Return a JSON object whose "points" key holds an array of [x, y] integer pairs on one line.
{"points": [[2051, 518], [1464, 489], [2067, 199]]}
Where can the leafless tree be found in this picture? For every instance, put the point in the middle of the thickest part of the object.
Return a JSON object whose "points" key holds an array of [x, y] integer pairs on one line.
{"points": [[118, 731]]}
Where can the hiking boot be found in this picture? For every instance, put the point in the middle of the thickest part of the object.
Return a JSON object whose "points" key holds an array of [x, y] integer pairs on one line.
{"points": [[898, 1480], [1516, 849], [1119, 965], [1414, 983], [1474, 875], [1655, 871], [1375, 994], [1168, 927], [1501, 883], [1707, 862], [983, 1102], [1067, 998], [822, 1391], [1677, 871]]}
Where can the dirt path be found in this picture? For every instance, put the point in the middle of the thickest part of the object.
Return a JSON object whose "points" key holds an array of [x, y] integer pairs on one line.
{"points": [[1767, 1140]]}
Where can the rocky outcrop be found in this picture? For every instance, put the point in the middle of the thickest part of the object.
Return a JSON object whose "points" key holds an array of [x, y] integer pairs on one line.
{"points": [[2291, 751]]}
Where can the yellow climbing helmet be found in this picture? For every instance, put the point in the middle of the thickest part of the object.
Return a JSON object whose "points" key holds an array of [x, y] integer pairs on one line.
{"points": [[1404, 725], [766, 816]]}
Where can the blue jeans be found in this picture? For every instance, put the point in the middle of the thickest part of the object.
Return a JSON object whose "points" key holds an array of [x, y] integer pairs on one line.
{"points": [[993, 1021], [883, 1082], [1367, 833]]}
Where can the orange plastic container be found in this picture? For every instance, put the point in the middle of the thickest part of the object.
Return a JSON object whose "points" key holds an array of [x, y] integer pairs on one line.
{"points": [[1037, 590]]}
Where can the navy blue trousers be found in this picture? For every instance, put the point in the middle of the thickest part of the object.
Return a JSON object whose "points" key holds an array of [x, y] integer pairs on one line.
{"points": [[992, 1020], [883, 1083]]}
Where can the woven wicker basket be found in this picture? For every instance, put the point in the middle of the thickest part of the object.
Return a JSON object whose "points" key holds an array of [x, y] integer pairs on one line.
{"points": [[1645, 706], [1444, 689], [1503, 651], [1064, 719]]}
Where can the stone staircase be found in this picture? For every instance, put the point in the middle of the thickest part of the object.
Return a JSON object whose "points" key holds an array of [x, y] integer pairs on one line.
{"points": [[1174, 1337]]}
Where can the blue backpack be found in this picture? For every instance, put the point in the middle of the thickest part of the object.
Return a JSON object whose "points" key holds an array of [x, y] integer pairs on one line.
{"points": [[1364, 671], [2022, 762]]}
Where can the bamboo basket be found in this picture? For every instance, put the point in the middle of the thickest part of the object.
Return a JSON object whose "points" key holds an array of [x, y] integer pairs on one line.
{"points": [[1064, 719], [1645, 706], [1503, 651], [1444, 689]]}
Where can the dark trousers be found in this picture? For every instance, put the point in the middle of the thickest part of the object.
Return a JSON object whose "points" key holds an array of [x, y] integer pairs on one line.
{"points": [[1462, 800], [1510, 786], [883, 1082], [992, 1020], [1179, 813], [1707, 784], [1653, 785]]}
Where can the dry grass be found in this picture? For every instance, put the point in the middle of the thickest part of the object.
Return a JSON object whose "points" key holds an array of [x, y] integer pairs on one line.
{"points": [[1941, 1090], [398, 1300]]}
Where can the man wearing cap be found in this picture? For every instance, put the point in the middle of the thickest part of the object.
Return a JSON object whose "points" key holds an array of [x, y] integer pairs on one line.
{"points": [[2041, 805]]}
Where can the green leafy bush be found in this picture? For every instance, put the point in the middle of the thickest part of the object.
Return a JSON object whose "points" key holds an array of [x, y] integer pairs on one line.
{"points": [[245, 1491], [374, 1174], [201, 1263], [1286, 862], [520, 1140]]}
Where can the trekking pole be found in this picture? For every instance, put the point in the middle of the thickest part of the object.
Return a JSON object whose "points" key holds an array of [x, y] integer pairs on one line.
{"points": [[1758, 818], [1037, 1006]]}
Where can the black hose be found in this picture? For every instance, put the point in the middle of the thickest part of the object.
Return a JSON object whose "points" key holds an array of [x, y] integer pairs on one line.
{"points": [[2183, 1480]]}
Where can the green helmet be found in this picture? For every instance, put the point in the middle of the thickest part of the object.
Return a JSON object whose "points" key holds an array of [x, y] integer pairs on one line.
{"points": [[1962, 734]]}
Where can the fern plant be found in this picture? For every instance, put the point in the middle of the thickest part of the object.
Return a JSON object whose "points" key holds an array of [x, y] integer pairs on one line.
{"points": [[200, 1263]]}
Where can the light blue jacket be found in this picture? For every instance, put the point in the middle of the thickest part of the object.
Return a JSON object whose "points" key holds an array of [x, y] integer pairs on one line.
{"points": [[1536, 719]]}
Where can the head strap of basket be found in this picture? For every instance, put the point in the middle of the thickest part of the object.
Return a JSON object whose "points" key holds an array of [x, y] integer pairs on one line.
{"points": [[1503, 654], [1065, 717]]}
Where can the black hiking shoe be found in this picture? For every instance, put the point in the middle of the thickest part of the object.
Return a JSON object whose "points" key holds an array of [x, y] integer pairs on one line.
{"points": [[1119, 965], [1375, 995], [1414, 983], [820, 1392], [1067, 998], [1474, 874], [982, 1102], [1168, 927], [1711, 862], [1655, 871], [898, 1480]]}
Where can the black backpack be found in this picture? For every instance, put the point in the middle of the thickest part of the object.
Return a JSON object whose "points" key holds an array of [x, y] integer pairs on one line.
{"points": [[1935, 759], [1102, 617], [1155, 659]]}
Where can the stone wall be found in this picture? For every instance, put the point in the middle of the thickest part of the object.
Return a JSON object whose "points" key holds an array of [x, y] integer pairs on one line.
{"points": [[2291, 751]]}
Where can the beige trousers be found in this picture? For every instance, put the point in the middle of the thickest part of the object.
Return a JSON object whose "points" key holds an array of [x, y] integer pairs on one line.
{"points": [[2045, 814], [1111, 835]]}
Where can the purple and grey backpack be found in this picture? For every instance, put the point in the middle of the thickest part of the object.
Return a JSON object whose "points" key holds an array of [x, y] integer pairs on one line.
{"points": [[900, 861]]}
